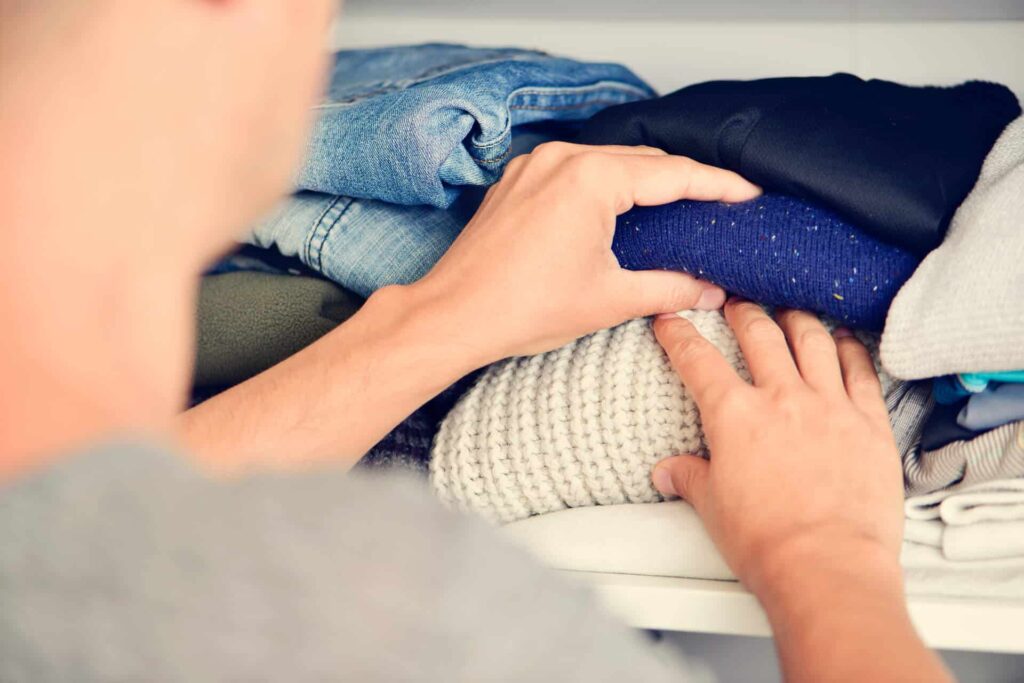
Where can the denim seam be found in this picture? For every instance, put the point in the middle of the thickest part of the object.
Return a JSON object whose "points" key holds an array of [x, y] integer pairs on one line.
{"points": [[596, 88], [578, 105], [424, 76], [574, 89], [507, 134], [320, 233]]}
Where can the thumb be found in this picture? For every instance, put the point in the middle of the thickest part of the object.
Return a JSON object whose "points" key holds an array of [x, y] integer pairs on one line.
{"points": [[685, 476], [650, 292]]}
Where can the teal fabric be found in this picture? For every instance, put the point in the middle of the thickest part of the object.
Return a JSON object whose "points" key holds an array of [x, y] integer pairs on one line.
{"points": [[979, 381]]}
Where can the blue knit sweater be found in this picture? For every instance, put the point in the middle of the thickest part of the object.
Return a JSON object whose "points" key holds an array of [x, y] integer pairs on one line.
{"points": [[774, 250]]}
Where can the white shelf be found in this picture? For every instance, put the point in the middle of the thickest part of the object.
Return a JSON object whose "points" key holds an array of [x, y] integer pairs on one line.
{"points": [[703, 606], [655, 566]]}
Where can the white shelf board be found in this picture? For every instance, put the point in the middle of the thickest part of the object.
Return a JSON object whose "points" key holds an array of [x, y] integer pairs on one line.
{"points": [[724, 607]]}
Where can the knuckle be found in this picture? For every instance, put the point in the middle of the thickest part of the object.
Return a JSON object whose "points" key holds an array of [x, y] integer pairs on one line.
{"points": [[789, 404], [689, 349], [732, 404], [553, 150], [816, 338], [761, 328], [583, 166], [685, 480], [681, 295], [863, 379], [516, 165], [850, 346]]}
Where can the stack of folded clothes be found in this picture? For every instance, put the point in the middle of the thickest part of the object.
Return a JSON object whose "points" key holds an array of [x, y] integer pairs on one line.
{"points": [[404, 137], [885, 206], [861, 182], [960, 322]]}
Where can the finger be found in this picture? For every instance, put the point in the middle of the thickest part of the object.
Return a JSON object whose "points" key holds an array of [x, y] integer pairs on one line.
{"points": [[551, 154], [650, 292], [652, 180], [702, 369], [814, 350], [625, 150], [762, 343], [685, 476], [859, 375], [567, 149]]}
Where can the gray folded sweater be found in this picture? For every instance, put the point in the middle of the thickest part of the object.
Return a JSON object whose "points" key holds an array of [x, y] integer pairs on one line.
{"points": [[963, 309]]}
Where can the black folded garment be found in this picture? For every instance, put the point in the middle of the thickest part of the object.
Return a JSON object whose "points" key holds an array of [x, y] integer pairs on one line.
{"points": [[894, 160]]}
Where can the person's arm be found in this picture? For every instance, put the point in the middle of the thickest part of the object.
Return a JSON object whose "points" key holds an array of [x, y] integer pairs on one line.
{"points": [[533, 270], [803, 492]]}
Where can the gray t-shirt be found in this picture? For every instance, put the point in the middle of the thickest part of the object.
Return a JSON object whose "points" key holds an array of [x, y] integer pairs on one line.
{"points": [[126, 564]]}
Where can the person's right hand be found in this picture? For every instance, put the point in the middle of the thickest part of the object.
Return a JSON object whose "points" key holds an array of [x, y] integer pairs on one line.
{"points": [[802, 462], [803, 492]]}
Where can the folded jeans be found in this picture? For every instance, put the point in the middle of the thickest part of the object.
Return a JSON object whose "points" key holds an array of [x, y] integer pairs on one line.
{"points": [[413, 124]]}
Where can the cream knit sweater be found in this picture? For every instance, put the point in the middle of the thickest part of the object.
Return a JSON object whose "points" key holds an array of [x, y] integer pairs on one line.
{"points": [[582, 425]]}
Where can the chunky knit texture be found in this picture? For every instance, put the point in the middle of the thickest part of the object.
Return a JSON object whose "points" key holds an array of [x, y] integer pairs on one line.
{"points": [[963, 310], [578, 426], [775, 249]]}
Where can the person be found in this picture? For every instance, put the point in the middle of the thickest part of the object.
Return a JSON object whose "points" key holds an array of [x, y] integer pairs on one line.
{"points": [[138, 138]]}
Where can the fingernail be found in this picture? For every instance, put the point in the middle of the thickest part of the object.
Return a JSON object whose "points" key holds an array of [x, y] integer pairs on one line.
{"points": [[666, 316], [842, 332], [711, 299], [662, 480]]}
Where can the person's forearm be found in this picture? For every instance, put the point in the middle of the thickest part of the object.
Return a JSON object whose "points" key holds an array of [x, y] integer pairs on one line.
{"points": [[842, 616], [342, 394]]}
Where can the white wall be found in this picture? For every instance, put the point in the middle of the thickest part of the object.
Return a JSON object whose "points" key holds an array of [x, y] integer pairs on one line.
{"points": [[705, 9], [673, 53]]}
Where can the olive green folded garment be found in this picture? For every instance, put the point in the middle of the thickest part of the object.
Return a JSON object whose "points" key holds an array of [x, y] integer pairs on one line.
{"points": [[249, 321]]}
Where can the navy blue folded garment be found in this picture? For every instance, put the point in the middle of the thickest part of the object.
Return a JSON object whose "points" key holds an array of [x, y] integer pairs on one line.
{"points": [[894, 160], [775, 250]]}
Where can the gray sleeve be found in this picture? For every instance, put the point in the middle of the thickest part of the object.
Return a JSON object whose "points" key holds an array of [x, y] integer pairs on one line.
{"points": [[126, 565]]}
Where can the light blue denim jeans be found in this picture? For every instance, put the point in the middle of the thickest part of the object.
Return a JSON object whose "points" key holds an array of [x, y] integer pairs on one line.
{"points": [[413, 124], [429, 125], [364, 244]]}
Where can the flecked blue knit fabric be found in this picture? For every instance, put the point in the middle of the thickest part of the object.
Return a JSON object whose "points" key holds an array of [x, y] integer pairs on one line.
{"points": [[775, 250]]}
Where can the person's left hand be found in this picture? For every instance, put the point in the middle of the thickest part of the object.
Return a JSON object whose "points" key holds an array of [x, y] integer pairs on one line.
{"points": [[534, 268]]}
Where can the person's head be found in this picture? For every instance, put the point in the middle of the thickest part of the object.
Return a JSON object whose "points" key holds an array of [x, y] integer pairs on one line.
{"points": [[140, 137]]}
